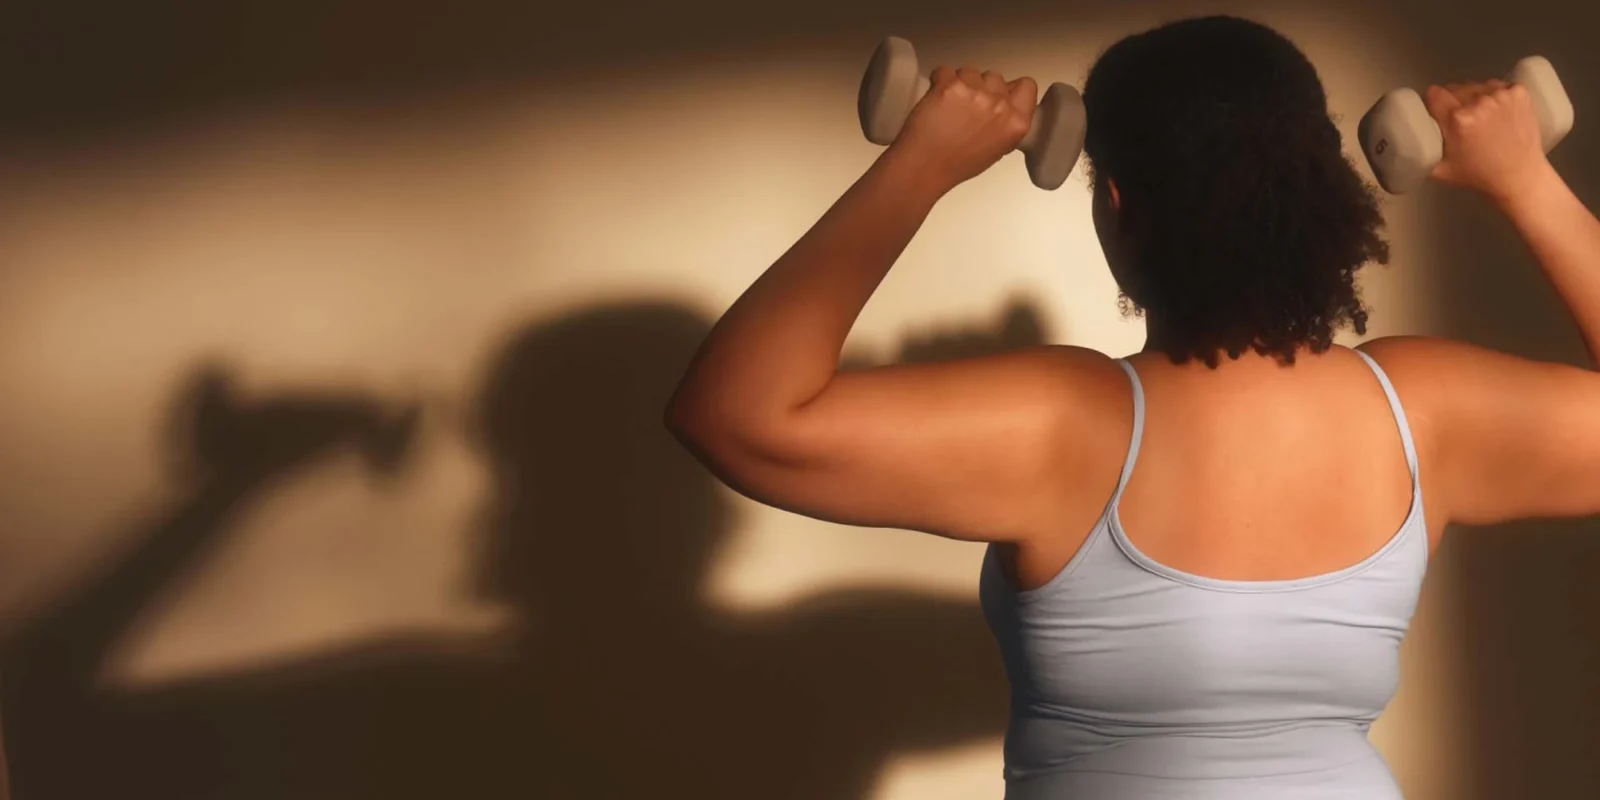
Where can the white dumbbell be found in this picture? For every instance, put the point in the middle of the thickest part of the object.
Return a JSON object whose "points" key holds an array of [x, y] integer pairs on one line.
{"points": [[893, 84], [1402, 141]]}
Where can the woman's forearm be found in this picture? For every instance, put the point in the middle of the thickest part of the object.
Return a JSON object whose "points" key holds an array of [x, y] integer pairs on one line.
{"points": [[778, 346], [1565, 239]]}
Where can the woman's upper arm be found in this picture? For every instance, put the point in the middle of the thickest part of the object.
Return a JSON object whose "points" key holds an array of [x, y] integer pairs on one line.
{"points": [[1507, 437], [977, 449]]}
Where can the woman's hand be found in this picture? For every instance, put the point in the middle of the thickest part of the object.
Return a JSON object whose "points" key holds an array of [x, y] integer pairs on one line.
{"points": [[1491, 137], [965, 123]]}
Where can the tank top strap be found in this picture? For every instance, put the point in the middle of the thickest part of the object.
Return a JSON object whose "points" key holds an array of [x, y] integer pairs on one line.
{"points": [[1399, 412], [1138, 428]]}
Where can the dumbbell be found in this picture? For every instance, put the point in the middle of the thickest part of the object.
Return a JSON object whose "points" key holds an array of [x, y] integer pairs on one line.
{"points": [[893, 84], [1403, 143]]}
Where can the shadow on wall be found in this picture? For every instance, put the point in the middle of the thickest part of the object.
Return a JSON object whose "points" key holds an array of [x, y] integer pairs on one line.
{"points": [[1524, 595], [1020, 324], [96, 68], [618, 680]]}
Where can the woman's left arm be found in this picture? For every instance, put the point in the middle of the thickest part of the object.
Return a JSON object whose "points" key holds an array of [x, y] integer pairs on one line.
{"points": [[967, 449]]}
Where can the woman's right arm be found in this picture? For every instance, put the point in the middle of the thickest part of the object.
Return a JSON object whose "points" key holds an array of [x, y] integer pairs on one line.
{"points": [[1507, 437], [1565, 238]]}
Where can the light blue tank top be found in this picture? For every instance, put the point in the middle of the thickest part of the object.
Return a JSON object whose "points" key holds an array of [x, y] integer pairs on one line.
{"points": [[1131, 680]]}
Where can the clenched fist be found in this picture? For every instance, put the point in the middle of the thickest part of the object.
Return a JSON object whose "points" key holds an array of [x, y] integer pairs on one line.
{"points": [[966, 122], [1491, 136]]}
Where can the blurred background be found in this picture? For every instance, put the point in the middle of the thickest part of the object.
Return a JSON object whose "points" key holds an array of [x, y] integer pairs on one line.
{"points": [[333, 342]]}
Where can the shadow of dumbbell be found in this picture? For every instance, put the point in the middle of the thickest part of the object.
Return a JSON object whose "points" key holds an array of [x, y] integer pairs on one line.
{"points": [[1019, 325], [220, 434]]}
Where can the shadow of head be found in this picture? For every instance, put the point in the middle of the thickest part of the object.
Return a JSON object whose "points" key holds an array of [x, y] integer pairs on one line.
{"points": [[594, 498]]}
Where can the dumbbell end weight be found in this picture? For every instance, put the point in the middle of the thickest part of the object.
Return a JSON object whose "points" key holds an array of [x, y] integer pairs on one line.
{"points": [[889, 88], [1551, 105], [1401, 141], [1055, 141]]}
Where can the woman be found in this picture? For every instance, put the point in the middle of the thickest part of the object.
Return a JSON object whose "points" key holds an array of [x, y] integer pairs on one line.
{"points": [[1202, 558]]}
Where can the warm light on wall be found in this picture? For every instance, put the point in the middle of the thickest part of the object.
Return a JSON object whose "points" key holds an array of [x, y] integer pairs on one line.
{"points": [[310, 248]]}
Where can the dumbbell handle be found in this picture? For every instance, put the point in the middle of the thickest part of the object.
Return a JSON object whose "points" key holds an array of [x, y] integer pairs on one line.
{"points": [[893, 85], [1029, 141], [1403, 142]]}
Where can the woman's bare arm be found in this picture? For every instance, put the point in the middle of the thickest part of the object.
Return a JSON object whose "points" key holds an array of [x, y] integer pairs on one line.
{"points": [[965, 449], [1565, 238], [1510, 438]]}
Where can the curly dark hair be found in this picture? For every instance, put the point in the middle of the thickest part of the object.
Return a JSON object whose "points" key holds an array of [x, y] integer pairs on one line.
{"points": [[1247, 222]]}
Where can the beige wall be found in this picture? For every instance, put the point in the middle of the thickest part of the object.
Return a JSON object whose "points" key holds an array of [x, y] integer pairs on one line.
{"points": [[528, 242]]}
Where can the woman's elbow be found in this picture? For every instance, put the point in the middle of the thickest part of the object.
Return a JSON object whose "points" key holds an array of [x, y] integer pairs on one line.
{"points": [[724, 439], [706, 430], [690, 414]]}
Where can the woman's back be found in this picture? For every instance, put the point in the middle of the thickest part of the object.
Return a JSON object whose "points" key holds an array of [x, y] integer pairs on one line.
{"points": [[1220, 615], [1198, 638], [1250, 471]]}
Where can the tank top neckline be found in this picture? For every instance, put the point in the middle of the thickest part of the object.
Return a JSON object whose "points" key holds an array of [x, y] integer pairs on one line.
{"points": [[1112, 519]]}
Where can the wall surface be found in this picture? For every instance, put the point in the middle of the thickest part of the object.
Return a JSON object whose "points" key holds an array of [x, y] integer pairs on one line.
{"points": [[333, 339]]}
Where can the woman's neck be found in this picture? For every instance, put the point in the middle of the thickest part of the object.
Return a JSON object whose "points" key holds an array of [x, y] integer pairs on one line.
{"points": [[1160, 339]]}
